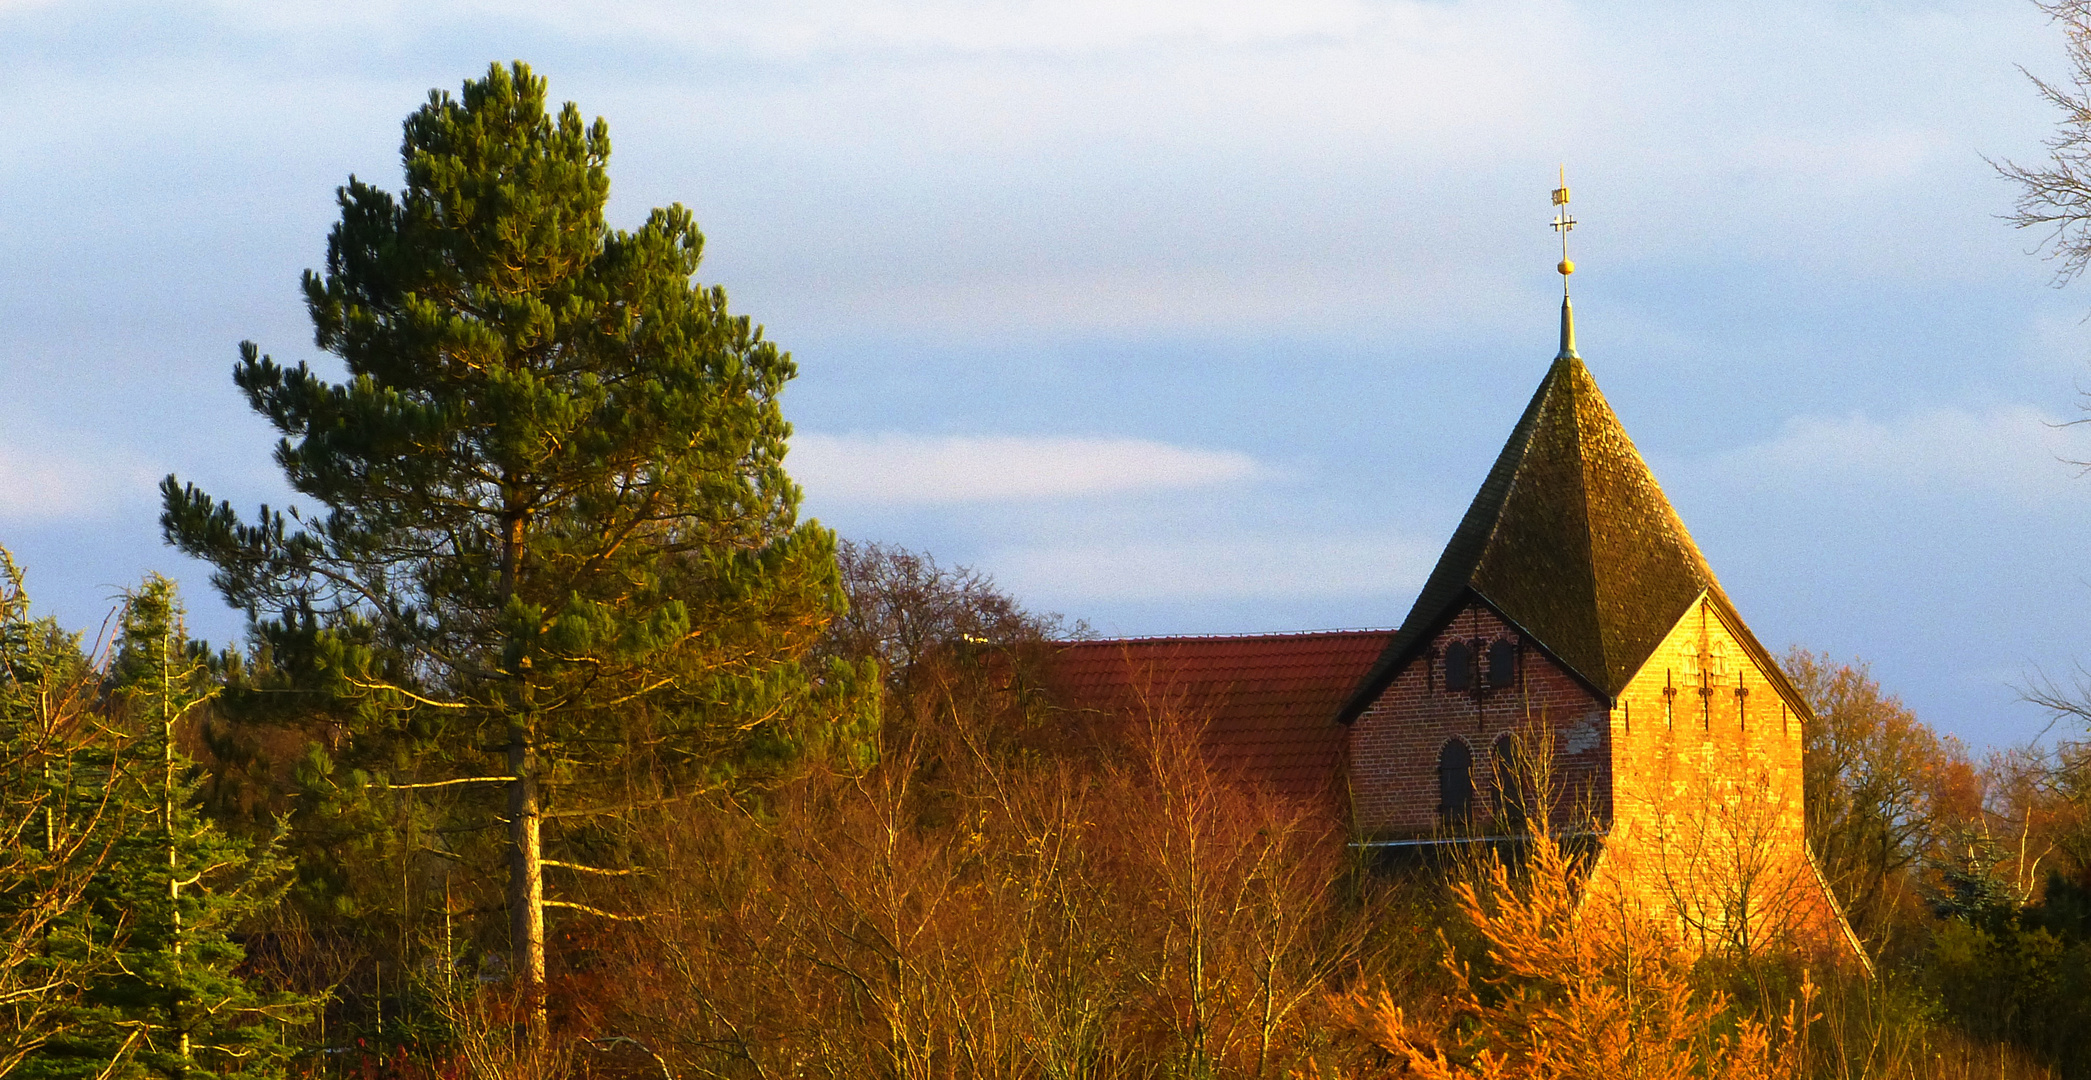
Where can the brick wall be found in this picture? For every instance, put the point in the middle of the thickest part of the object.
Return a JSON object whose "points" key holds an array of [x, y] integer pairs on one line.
{"points": [[1394, 744], [1707, 817], [1699, 794]]}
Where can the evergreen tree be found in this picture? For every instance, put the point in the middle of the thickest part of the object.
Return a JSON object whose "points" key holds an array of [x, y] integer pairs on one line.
{"points": [[49, 851], [1970, 888], [559, 551], [174, 888]]}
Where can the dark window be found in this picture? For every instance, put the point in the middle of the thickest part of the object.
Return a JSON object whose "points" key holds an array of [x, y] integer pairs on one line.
{"points": [[1455, 780], [1502, 663], [1459, 666], [1510, 771]]}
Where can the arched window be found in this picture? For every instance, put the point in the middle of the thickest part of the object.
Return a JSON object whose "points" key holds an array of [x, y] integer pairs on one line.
{"points": [[1502, 663], [1510, 770], [1455, 780], [1459, 667]]}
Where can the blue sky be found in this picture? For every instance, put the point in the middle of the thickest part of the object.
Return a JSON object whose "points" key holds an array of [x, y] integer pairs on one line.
{"points": [[1180, 317]]}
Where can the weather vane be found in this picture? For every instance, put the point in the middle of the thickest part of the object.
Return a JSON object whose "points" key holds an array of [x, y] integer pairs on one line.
{"points": [[1563, 223]]}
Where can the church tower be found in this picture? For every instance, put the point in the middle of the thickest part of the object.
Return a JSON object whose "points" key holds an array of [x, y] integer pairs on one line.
{"points": [[1571, 624]]}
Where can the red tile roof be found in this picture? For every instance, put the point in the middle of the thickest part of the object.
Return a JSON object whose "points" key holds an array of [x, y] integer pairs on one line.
{"points": [[1269, 701]]}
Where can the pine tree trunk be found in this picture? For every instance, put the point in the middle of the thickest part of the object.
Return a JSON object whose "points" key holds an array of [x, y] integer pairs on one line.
{"points": [[174, 889], [526, 892], [526, 882]]}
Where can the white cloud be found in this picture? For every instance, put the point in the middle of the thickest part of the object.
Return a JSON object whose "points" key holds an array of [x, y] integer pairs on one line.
{"points": [[1201, 298], [897, 469], [47, 483], [2014, 452], [1230, 568], [1847, 163], [797, 29]]}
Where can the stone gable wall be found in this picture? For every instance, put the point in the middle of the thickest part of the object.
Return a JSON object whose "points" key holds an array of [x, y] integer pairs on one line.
{"points": [[1707, 806], [1394, 744]]}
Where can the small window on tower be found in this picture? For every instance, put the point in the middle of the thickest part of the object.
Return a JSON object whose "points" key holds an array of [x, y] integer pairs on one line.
{"points": [[1459, 666], [1502, 663]]}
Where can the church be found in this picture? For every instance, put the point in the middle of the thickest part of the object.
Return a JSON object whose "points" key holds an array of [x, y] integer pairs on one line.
{"points": [[1571, 658]]}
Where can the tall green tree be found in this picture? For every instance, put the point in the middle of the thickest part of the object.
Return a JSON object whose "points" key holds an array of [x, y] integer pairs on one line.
{"points": [[556, 531]]}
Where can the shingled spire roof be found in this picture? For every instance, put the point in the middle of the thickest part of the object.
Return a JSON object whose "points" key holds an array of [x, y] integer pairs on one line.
{"points": [[1570, 539]]}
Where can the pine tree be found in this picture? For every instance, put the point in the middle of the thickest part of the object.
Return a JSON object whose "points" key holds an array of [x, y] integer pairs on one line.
{"points": [[559, 551], [174, 888]]}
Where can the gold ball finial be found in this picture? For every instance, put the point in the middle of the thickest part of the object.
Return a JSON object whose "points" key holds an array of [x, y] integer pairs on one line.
{"points": [[1566, 267]]}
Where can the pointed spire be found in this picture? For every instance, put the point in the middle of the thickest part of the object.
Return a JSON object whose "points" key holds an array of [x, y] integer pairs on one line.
{"points": [[1568, 332], [1570, 539]]}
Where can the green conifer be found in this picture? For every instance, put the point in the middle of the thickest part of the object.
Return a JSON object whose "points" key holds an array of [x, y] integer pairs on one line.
{"points": [[49, 851], [173, 892], [557, 549]]}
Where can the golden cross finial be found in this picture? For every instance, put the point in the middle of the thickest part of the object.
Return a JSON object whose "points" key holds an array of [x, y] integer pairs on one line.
{"points": [[1563, 222]]}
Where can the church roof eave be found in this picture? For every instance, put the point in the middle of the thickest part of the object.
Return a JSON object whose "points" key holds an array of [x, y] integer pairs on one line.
{"points": [[1360, 699], [1766, 662], [1451, 579]]}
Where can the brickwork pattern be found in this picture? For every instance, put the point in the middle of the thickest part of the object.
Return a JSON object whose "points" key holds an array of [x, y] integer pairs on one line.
{"points": [[1698, 794], [1395, 743], [1707, 815]]}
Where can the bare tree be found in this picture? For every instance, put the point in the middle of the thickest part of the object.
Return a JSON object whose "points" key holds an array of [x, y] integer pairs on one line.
{"points": [[905, 608], [1029, 915], [1238, 884], [1882, 788], [2056, 194], [1731, 865]]}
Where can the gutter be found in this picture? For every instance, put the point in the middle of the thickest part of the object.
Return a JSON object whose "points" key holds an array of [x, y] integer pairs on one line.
{"points": [[1372, 845]]}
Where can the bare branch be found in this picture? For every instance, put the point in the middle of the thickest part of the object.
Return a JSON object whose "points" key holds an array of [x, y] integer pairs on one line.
{"points": [[593, 911], [563, 865], [453, 783]]}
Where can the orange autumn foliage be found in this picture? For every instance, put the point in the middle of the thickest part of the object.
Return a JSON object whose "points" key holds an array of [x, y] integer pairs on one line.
{"points": [[1571, 986]]}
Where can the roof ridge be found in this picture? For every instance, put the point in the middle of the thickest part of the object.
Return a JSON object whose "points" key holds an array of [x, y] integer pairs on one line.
{"points": [[1583, 390], [1347, 631], [1453, 573], [1645, 576], [1582, 384]]}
